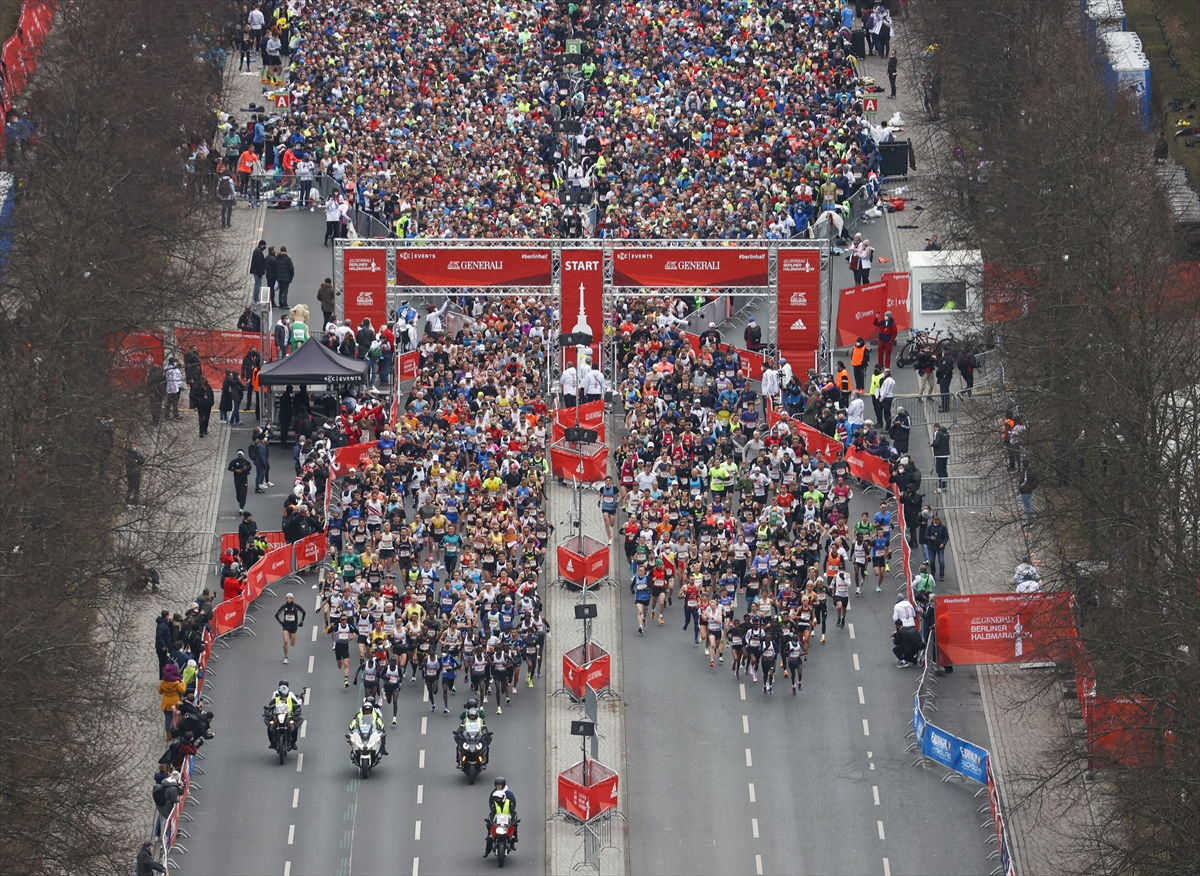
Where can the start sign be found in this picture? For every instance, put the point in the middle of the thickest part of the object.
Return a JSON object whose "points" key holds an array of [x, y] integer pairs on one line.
{"points": [[870, 104]]}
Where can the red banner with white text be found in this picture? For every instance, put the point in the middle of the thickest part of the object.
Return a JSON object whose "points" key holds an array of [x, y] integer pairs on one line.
{"points": [[688, 268], [799, 307], [133, 354], [583, 289], [357, 456], [588, 416], [310, 550], [229, 615], [472, 267], [220, 351], [364, 285], [858, 307], [989, 628], [407, 365]]}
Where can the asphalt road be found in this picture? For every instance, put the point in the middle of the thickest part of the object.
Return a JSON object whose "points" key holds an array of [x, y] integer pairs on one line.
{"points": [[313, 815]]}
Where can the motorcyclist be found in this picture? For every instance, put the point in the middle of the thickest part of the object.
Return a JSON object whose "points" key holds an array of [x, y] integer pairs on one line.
{"points": [[283, 696], [369, 714], [502, 801], [471, 713]]}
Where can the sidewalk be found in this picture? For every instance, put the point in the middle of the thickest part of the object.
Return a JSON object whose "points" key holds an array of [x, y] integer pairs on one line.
{"points": [[1026, 717], [190, 518], [564, 846]]}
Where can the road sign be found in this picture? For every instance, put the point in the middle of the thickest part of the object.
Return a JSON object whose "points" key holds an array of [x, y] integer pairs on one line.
{"points": [[870, 104]]}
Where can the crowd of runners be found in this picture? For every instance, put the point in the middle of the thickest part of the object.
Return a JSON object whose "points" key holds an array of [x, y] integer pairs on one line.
{"points": [[673, 119]]}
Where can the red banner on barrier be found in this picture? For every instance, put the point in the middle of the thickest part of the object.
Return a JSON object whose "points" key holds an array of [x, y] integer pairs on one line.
{"points": [[133, 354], [472, 267], [558, 432], [310, 550], [582, 560], [857, 308], [364, 285], [588, 416], [687, 267], [587, 790], [277, 564], [868, 468], [583, 289], [896, 299], [799, 307], [579, 462], [229, 615], [1120, 732], [1005, 628], [357, 456], [407, 365], [256, 582], [220, 351]]}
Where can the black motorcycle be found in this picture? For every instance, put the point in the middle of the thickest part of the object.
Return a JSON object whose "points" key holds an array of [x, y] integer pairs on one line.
{"points": [[474, 741], [281, 724]]}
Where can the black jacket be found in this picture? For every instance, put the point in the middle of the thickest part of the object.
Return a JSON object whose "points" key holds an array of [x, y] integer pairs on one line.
{"points": [[285, 269], [936, 535], [258, 263], [272, 267]]}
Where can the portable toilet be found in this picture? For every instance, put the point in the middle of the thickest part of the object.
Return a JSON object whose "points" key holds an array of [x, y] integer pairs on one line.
{"points": [[1103, 16], [1127, 71]]}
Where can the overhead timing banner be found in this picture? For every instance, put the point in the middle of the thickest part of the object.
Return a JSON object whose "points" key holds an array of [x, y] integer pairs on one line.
{"points": [[686, 268], [992, 628], [364, 281], [583, 290], [799, 307], [472, 267]]}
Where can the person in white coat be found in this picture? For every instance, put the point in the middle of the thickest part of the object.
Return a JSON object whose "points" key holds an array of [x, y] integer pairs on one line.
{"points": [[593, 385], [570, 386], [433, 322], [770, 388], [855, 412]]}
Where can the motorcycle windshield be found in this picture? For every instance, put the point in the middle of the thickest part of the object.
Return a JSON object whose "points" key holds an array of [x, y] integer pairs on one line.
{"points": [[502, 820], [472, 729]]}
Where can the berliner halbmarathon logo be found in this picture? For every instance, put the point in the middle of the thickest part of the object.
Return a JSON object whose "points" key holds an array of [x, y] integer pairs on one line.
{"points": [[365, 264]]}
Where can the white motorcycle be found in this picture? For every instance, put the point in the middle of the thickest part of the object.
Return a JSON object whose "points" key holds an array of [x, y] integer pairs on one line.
{"points": [[366, 744]]}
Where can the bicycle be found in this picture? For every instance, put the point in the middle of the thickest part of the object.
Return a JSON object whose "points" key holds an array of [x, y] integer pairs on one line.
{"points": [[928, 341]]}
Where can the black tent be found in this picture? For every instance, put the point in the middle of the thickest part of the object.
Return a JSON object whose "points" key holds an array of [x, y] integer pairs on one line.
{"points": [[314, 363]]}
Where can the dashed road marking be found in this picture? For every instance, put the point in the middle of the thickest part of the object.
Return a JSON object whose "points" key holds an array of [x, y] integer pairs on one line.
{"points": [[421, 760], [295, 797], [425, 695], [303, 731], [875, 793], [300, 761], [758, 864], [850, 627], [866, 728], [420, 794], [314, 635], [416, 866], [307, 697], [291, 834], [752, 792], [745, 723], [879, 824], [862, 701], [855, 656], [287, 868], [742, 688], [424, 721], [418, 835], [748, 759], [312, 659], [887, 868], [754, 827]]}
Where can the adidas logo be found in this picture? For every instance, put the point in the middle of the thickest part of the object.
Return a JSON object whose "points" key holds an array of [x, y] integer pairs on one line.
{"points": [[799, 326]]}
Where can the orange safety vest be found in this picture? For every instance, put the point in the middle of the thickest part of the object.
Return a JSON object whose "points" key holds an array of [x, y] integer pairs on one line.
{"points": [[843, 380], [858, 355]]}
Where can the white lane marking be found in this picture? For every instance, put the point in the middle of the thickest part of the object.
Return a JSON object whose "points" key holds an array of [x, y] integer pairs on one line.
{"points": [[754, 827], [748, 760], [300, 762], [317, 607], [862, 701], [887, 868], [872, 766], [416, 865], [850, 627], [866, 728], [307, 697], [295, 797], [420, 794], [425, 725], [752, 792], [287, 868], [303, 731], [418, 836], [742, 687], [758, 864], [421, 760], [745, 723], [855, 656], [875, 793], [312, 658], [879, 824], [291, 834], [314, 636], [425, 698]]}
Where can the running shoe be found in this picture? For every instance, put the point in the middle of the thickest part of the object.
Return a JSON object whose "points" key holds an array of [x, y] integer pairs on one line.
{"points": [[346, 683], [393, 719], [499, 711], [712, 663], [822, 638]]}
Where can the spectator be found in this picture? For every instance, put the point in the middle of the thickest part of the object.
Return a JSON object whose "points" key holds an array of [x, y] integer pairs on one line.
{"points": [[167, 790], [174, 386], [285, 272], [936, 539], [171, 689], [258, 267], [134, 463], [325, 298], [940, 444], [271, 275], [201, 398], [145, 864]]}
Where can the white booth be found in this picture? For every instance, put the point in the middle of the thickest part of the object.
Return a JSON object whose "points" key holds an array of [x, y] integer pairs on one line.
{"points": [[945, 290]]}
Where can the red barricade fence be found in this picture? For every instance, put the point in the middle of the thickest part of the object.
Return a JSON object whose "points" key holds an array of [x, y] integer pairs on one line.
{"points": [[229, 615], [309, 551]]}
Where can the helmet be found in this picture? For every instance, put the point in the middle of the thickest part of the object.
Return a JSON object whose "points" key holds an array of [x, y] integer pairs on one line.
{"points": [[472, 712], [369, 701], [500, 782], [472, 703], [368, 707], [283, 688]]}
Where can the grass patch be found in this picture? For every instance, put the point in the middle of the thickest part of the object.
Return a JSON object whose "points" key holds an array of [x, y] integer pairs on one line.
{"points": [[1178, 34]]}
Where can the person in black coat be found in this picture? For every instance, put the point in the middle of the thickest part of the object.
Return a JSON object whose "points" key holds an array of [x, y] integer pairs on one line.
{"points": [[944, 372], [285, 272], [258, 267], [899, 430], [272, 268], [202, 399]]}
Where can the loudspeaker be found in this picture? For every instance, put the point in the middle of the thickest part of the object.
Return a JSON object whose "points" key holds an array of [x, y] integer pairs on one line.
{"points": [[858, 43], [578, 435], [894, 157]]}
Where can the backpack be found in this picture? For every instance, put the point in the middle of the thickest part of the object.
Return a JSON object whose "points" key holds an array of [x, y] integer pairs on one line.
{"points": [[160, 795], [225, 189]]}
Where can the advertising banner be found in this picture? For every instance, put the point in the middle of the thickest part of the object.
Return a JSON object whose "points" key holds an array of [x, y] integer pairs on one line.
{"points": [[277, 564], [256, 582], [588, 416], [1120, 732], [687, 268], [133, 353], [799, 307], [858, 307], [364, 285], [864, 466], [1004, 628], [220, 351], [583, 290], [229, 615], [407, 365], [310, 550], [356, 456], [473, 267], [953, 753]]}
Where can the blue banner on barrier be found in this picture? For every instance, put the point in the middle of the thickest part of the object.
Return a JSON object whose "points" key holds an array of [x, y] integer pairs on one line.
{"points": [[951, 752], [940, 746], [972, 761], [919, 722]]}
